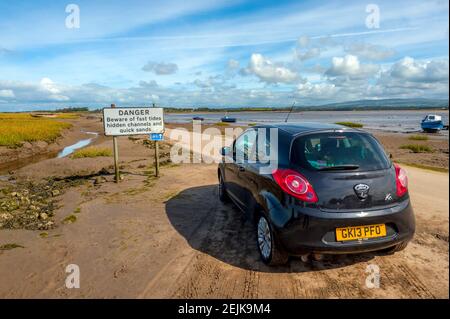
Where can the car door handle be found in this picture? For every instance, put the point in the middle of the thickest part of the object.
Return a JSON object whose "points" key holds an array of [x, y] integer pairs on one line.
{"points": [[241, 169]]}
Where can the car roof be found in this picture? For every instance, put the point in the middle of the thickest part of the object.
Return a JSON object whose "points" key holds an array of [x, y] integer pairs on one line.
{"points": [[294, 128]]}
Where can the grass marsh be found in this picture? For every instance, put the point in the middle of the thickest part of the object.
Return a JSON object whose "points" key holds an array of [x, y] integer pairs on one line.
{"points": [[417, 148], [17, 128], [418, 138], [92, 152], [350, 124]]}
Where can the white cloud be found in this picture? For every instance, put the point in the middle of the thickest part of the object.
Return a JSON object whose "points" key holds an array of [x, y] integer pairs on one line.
{"points": [[149, 85], [308, 54], [414, 78], [350, 65], [369, 51], [160, 68], [269, 72], [48, 86], [7, 94], [303, 41], [214, 84], [43, 91], [317, 90], [411, 70], [202, 84]]}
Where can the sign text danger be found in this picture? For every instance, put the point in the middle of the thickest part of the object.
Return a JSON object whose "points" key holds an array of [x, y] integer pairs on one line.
{"points": [[133, 121]]}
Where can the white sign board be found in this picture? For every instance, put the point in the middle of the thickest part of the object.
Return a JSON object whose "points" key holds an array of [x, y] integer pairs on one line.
{"points": [[133, 120]]}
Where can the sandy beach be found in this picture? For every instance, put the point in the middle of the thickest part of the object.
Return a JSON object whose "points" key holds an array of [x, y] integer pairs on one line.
{"points": [[170, 237]]}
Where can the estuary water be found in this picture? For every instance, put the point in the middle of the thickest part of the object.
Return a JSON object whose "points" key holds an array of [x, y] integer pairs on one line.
{"points": [[393, 121]]}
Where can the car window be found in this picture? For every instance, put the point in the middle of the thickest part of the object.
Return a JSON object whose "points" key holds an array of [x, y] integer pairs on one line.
{"points": [[245, 147], [316, 151], [263, 147]]}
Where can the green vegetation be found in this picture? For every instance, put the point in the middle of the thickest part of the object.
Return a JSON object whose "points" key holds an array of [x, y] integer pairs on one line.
{"points": [[65, 110], [72, 109], [77, 210], [92, 152], [431, 168], [43, 235], [418, 138], [10, 246], [70, 219], [417, 148], [251, 124], [226, 109], [17, 128], [350, 124], [66, 116], [222, 124]]}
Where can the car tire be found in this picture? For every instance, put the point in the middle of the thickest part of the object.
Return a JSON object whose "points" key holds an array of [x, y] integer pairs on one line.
{"points": [[397, 248], [223, 196], [268, 245]]}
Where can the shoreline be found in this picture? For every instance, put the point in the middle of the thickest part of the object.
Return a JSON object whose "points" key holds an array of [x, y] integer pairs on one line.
{"points": [[30, 153], [437, 160], [221, 111], [15, 158]]}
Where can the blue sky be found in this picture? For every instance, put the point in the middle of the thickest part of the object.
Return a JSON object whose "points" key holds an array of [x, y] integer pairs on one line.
{"points": [[220, 53]]}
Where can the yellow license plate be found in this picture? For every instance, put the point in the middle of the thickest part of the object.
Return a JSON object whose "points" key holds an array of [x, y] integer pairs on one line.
{"points": [[360, 232]]}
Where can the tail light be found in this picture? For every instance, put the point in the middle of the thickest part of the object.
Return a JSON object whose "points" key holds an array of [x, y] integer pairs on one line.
{"points": [[401, 180], [295, 184]]}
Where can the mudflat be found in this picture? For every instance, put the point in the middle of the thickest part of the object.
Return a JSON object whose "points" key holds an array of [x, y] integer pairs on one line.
{"points": [[171, 237]]}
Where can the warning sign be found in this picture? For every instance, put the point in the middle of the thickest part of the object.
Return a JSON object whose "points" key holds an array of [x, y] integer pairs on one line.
{"points": [[133, 121]]}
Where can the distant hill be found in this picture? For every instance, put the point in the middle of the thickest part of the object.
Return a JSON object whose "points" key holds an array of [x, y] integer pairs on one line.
{"points": [[384, 104]]}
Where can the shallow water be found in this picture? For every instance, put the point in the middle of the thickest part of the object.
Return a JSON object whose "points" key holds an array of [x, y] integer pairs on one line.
{"points": [[80, 144], [393, 121], [5, 168]]}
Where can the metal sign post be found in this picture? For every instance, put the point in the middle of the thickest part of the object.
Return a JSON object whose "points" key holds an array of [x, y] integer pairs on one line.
{"points": [[156, 159], [156, 137], [116, 156], [133, 121]]}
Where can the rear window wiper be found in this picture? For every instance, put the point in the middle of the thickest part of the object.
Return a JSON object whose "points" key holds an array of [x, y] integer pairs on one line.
{"points": [[339, 167]]}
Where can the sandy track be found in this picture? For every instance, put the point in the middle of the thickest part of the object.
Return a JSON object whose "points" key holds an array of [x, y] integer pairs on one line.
{"points": [[229, 266], [175, 239]]}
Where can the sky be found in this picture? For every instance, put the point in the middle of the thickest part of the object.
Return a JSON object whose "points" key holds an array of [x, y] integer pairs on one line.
{"points": [[222, 53]]}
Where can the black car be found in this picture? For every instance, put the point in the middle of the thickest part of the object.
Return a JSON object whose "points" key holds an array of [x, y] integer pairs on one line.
{"points": [[334, 190]]}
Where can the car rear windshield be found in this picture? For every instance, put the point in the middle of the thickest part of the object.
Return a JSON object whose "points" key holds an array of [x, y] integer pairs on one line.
{"points": [[345, 150]]}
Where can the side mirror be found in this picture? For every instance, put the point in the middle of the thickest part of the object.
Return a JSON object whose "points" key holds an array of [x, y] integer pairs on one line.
{"points": [[390, 156], [224, 151]]}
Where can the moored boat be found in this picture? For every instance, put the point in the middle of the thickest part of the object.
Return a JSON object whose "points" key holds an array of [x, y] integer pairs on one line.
{"points": [[432, 123], [228, 119]]}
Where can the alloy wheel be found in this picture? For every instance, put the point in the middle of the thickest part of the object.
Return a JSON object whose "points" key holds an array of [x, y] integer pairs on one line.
{"points": [[264, 238]]}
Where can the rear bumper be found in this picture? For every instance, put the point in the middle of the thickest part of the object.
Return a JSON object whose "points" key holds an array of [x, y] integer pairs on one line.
{"points": [[312, 230]]}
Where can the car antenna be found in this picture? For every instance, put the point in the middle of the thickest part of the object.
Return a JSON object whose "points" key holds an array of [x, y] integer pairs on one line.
{"points": [[290, 111]]}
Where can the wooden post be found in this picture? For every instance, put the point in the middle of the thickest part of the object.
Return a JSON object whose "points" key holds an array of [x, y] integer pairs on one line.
{"points": [[156, 159], [156, 154], [116, 156]]}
